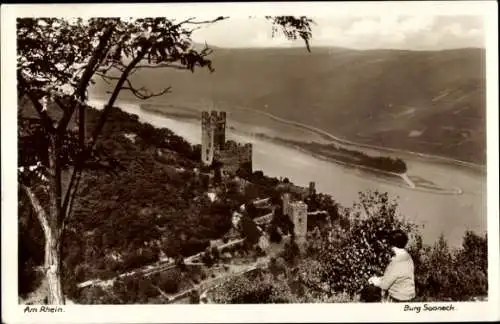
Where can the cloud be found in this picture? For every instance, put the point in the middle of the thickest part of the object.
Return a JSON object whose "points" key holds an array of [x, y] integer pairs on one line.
{"points": [[362, 32]]}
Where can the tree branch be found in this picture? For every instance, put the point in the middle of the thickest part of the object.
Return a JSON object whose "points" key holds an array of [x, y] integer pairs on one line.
{"points": [[161, 65], [75, 176], [114, 96], [87, 74], [82, 86], [68, 205], [141, 94], [41, 214], [191, 22], [63, 122]]}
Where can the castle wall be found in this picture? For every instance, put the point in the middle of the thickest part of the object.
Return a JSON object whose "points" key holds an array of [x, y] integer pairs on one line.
{"points": [[234, 157], [286, 202], [219, 121]]}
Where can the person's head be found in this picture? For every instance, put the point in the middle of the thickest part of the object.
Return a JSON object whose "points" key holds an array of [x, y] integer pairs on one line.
{"points": [[398, 239]]}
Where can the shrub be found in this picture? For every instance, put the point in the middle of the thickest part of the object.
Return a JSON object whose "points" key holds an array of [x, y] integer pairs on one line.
{"points": [[194, 297], [342, 256], [290, 252], [247, 289], [249, 230], [442, 274], [349, 258]]}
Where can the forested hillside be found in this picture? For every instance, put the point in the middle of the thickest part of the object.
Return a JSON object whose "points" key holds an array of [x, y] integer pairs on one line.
{"points": [[150, 201], [144, 201]]}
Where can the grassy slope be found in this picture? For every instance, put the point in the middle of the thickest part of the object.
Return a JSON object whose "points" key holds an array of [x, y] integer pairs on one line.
{"points": [[376, 97]]}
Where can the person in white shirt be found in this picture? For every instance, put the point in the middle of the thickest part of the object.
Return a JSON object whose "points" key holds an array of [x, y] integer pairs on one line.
{"points": [[398, 281]]}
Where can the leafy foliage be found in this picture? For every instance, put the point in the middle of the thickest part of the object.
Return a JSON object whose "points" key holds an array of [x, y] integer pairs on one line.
{"points": [[445, 274], [350, 257], [249, 230], [293, 27], [57, 60], [263, 286], [341, 258]]}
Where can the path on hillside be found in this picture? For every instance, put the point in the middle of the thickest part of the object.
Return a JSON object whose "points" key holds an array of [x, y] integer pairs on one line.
{"points": [[149, 270]]}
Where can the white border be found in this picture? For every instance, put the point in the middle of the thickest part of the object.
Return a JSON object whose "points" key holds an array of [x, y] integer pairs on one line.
{"points": [[12, 312]]}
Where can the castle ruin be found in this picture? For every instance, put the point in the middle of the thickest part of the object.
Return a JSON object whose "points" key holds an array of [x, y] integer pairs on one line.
{"points": [[285, 198], [297, 213], [233, 156]]}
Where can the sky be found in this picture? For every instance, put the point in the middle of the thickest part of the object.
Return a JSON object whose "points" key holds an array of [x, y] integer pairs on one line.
{"points": [[422, 32]]}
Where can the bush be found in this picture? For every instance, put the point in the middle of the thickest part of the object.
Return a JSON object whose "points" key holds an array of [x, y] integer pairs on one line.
{"points": [[194, 297], [290, 252], [274, 236], [247, 289], [442, 274], [249, 230], [350, 258]]}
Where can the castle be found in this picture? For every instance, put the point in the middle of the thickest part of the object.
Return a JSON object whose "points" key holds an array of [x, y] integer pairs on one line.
{"points": [[297, 212], [231, 155]]}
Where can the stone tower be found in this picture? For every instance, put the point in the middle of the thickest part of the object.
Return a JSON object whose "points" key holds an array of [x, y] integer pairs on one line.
{"points": [[312, 188], [285, 198], [247, 157], [213, 134], [219, 129], [298, 216], [207, 138]]}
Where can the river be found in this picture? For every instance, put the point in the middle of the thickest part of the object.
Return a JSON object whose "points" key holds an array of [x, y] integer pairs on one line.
{"points": [[450, 215]]}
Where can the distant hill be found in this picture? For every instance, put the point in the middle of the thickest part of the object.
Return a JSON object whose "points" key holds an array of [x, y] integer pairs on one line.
{"points": [[425, 101]]}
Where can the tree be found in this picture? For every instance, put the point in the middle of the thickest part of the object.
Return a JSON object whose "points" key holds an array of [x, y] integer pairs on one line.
{"points": [[58, 60]]}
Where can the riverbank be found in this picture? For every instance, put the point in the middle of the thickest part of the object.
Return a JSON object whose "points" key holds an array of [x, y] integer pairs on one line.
{"points": [[434, 211], [402, 180], [339, 140], [399, 179]]}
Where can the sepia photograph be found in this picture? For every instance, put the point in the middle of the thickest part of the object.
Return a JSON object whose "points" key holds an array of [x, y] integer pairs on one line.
{"points": [[254, 158]]}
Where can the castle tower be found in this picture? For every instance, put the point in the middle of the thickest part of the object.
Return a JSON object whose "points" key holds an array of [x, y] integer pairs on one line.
{"points": [[220, 130], [312, 188], [207, 138], [298, 216], [285, 198], [247, 156]]}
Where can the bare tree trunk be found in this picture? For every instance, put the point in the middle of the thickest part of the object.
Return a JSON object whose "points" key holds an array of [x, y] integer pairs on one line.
{"points": [[52, 248], [53, 234], [53, 266]]}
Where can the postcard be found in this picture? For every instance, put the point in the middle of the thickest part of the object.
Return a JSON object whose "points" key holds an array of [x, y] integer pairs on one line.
{"points": [[250, 162]]}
